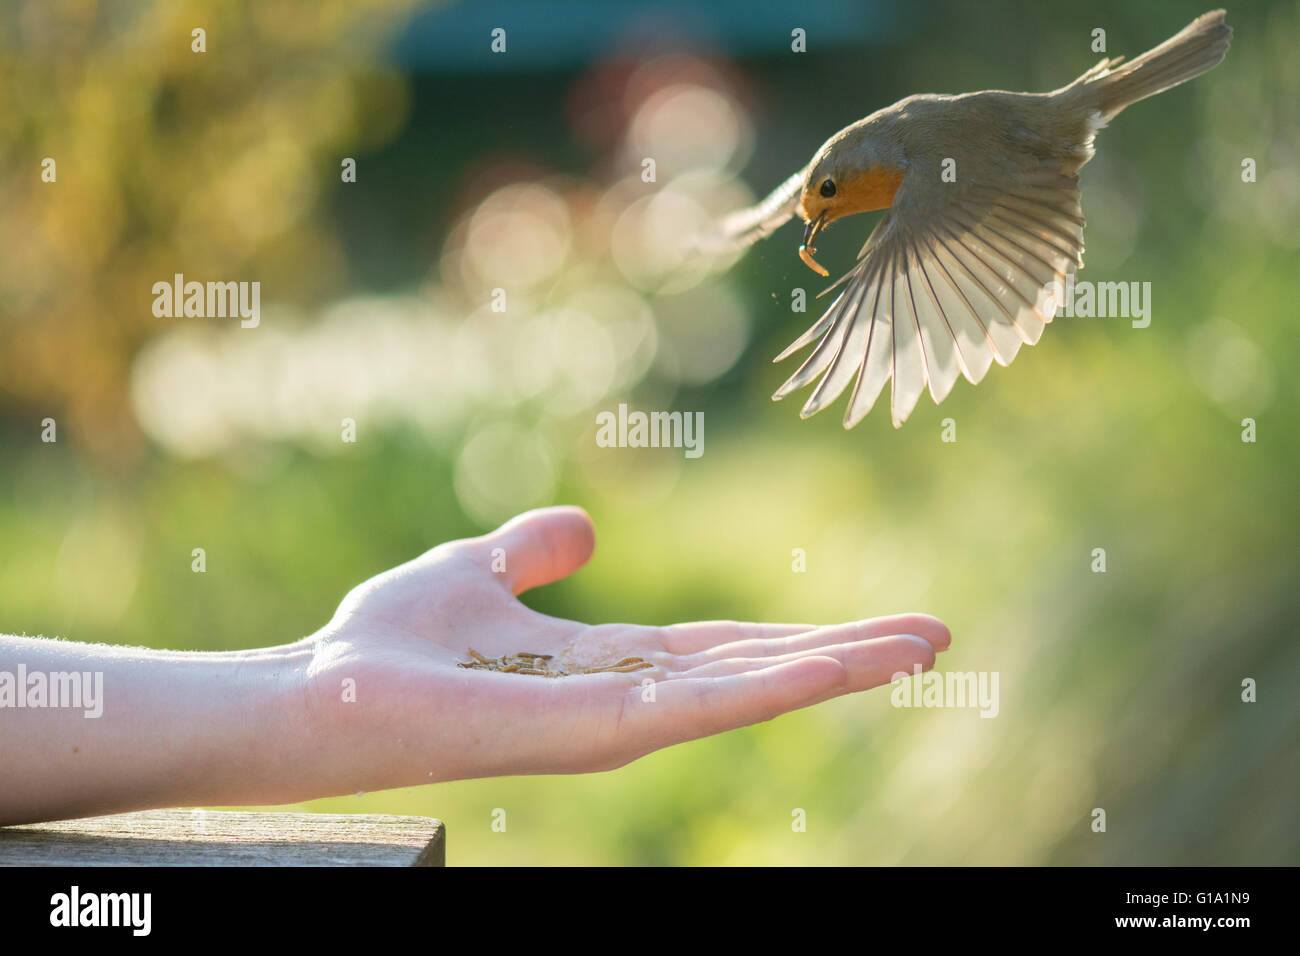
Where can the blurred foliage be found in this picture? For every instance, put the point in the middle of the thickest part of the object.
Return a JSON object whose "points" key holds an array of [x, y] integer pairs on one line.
{"points": [[163, 155], [1118, 690]]}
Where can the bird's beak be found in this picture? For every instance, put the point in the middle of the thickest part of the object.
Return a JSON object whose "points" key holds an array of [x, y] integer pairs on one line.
{"points": [[807, 249]]}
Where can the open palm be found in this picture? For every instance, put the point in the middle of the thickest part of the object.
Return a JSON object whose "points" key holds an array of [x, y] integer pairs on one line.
{"points": [[386, 672]]}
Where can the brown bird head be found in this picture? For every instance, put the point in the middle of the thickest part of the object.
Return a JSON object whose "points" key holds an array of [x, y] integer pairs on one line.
{"points": [[855, 171]]}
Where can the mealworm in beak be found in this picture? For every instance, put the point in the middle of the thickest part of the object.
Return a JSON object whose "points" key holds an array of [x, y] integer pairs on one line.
{"points": [[806, 255]]}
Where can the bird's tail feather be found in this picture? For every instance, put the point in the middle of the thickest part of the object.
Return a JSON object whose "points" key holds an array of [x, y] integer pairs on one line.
{"points": [[1198, 47]]}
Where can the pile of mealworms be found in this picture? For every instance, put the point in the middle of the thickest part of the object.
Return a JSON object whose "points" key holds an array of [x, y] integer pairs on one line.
{"points": [[540, 665]]}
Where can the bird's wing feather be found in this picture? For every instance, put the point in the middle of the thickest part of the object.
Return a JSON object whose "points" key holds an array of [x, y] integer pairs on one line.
{"points": [[743, 228], [944, 286]]}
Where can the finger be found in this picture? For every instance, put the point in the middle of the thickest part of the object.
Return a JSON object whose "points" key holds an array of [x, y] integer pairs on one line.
{"points": [[690, 708], [696, 636], [866, 663], [708, 642], [537, 547]]}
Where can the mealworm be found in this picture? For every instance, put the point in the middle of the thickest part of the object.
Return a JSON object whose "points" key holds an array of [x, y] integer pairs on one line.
{"points": [[617, 668], [806, 255], [526, 662]]}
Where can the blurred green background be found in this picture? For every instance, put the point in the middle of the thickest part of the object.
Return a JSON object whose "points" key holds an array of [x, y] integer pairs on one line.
{"points": [[522, 171]]}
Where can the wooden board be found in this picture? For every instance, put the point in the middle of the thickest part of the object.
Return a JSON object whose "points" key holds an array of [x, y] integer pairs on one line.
{"points": [[227, 838]]}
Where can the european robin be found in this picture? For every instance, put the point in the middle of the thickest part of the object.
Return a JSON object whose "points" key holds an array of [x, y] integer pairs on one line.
{"points": [[983, 224]]}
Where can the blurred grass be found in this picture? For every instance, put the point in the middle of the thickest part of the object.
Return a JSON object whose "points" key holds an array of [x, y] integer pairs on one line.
{"points": [[1118, 690]]}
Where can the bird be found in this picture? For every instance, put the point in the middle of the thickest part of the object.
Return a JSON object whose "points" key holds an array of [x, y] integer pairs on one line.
{"points": [[982, 225]]}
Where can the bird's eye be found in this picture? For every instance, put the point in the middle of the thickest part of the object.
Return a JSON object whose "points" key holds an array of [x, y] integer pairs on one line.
{"points": [[828, 188]]}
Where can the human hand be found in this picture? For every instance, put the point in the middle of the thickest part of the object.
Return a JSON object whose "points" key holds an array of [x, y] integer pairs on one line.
{"points": [[415, 716]]}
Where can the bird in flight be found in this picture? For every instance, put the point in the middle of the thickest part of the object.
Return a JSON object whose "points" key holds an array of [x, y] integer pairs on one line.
{"points": [[982, 225]]}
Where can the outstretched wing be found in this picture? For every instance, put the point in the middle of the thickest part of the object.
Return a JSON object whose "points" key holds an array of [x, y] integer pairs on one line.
{"points": [[740, 229], [944, 286]]}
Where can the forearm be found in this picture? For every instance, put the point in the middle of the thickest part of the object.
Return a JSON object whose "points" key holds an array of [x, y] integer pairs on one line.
{"points": [[173, 728]]}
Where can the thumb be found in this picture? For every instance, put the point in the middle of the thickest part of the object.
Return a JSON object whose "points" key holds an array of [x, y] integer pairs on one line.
{"points": [[541, 546]]}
